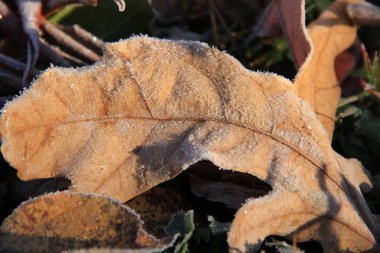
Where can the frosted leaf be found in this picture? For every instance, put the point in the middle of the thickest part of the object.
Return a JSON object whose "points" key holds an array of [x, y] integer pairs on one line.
{"points": [[317, 82], [72, 221], [151, 108]]}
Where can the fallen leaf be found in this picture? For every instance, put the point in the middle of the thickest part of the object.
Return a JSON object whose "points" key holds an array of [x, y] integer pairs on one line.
{"points": [[288, 18], [30, 11], [150, 108], [227, 187], [230, 194], [364, 13], [316, 82], [315, 50], [156, 207], [69, 221], [346, 61]]}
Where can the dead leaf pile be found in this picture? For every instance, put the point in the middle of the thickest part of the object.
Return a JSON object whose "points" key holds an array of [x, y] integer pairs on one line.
{"points": [[150, 108]]}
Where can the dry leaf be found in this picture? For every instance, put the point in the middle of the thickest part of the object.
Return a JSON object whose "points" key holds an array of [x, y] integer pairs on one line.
{"points": [[288, 18], [227, 187], [344, 64], [325, 40], [364, 13], [157, 206], [346, 61], [68, 221], [316, 82], [153, 107], [30, 11], [230, 194]]}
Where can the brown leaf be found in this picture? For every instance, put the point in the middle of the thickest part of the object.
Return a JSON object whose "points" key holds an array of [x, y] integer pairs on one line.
{"points": [[316, 82], [363, 13], [63, 221], [347, 60], [230, 194], [288, 18], [150, 108], [330, 36], [157, 206], [227, 187], [344, 64]]}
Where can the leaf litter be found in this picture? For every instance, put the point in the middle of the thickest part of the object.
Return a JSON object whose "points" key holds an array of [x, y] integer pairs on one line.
{"points": [[144, 122], [175, 124]]}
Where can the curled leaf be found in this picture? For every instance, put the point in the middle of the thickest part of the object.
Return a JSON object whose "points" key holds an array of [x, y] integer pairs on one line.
{"points": [[364, 13], [288, 18], [69, 221], [317, 48], [151, 108], [30, 11], [316, 82]]}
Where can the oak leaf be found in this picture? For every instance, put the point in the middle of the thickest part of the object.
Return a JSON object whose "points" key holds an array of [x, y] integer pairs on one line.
{"points": [[316, 82], [150, 108], [315, 49], [72, 221]]}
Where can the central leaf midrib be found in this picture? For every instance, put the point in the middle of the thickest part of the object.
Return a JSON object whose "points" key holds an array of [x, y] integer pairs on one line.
{"points": [[115, 118]]}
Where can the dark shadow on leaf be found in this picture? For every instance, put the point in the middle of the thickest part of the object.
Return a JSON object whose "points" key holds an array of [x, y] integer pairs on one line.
{"points": [[195, 49], [161, 161], [323, 222], [14, 243], [357, 201]]}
